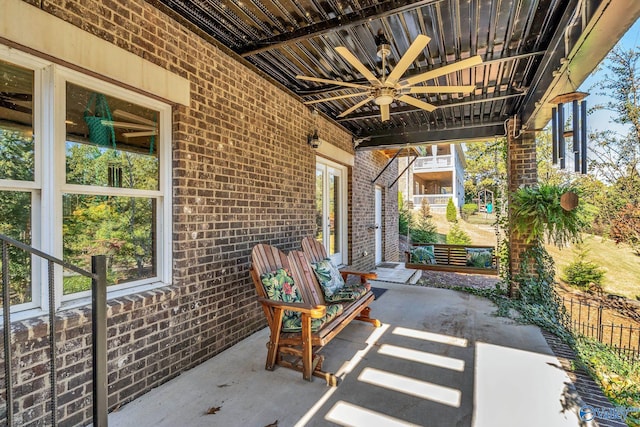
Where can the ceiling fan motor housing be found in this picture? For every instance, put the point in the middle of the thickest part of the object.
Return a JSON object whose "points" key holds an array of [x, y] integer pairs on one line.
{"points": [[384, 95], [384, 50]]}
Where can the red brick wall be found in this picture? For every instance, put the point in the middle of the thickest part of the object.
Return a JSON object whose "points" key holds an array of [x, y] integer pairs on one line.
{"points": [[521, 171], [362, 238], [242, 174]]}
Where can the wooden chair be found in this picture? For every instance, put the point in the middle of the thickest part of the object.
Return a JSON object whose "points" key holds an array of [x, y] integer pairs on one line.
{"points": [[298, 350]]}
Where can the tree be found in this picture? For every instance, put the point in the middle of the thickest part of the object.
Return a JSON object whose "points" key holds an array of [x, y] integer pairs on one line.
{"points": [[485, 168], [625, 227], [405, 219], [617, 156], [452, 215], [582, 273], [457, 236], [424, 230]]}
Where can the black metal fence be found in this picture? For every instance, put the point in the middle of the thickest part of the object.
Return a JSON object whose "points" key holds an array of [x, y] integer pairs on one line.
{"points": [[98, 290], [594, 319]]}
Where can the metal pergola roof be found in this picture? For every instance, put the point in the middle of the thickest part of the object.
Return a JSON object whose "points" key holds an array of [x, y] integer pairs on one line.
{"points": [[532, 50]]}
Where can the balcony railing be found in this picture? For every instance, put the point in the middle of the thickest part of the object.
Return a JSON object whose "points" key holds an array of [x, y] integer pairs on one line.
{"points": [[433, 163], [10, 382], [433, 199]]}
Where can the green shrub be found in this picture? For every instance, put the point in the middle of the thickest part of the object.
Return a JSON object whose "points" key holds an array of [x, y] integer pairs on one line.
{"points": [[457, 236], [452, 215], [582, 273], [469, 209]]}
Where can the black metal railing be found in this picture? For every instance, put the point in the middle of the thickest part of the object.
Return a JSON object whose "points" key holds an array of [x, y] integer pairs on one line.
{"points": [[594, 319], [99, 328]]}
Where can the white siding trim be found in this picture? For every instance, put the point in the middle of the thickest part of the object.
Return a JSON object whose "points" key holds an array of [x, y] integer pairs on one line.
{"points": [[29, 26]]}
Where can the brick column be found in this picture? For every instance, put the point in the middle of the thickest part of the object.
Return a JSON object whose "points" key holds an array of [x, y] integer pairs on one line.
{"points": [[521, 171]]}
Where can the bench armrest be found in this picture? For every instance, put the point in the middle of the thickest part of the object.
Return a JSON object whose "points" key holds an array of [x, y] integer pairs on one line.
{"points": [[316, 312], [364, 275]]}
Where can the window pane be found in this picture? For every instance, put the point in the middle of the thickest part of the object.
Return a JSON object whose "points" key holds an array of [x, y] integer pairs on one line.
{"points": [[122, 228], [334, 216], [110, 142], [15, 222], [16, 122]]}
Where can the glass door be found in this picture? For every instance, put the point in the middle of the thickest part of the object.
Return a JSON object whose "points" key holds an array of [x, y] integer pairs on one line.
{"points": [[330, 210]]}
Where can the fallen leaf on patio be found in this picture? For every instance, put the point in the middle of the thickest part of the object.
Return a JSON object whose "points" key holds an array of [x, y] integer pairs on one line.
{"points": [[213, 410], [273, 424]]}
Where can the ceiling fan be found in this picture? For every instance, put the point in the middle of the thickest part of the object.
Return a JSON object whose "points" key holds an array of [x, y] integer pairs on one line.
{"points": [[387, 89]]}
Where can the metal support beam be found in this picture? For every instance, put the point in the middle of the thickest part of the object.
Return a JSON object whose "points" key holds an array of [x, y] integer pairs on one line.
{"points": [[99, 332], [422, 134], [404, 170], [53, 365], [6, 330], [387, 165]]}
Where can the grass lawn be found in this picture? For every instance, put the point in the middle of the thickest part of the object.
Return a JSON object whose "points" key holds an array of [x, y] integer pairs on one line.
{"points": [[622, 267]]}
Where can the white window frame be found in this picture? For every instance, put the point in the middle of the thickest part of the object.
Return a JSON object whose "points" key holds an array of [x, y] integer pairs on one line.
{"points": [[49, 111], [326, 165]]}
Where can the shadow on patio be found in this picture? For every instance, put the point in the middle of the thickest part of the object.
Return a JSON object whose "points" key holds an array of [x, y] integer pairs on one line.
{"points": [[441, 358]]}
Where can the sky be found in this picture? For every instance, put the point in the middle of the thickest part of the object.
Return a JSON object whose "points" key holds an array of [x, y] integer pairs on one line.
{"points": [[601, 120]]}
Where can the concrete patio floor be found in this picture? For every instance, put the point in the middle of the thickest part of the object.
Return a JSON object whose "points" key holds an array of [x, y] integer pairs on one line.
{"points": [[441, 358]]}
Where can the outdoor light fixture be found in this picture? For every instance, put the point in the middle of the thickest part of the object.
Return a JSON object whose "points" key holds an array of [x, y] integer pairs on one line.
{"points": [[577, 133], [313, 139]]}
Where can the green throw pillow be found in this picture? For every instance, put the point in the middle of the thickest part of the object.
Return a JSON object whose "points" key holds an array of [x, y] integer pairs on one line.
{"points": [[329, 277], [479, 257], [423, 255], [279, 286]]}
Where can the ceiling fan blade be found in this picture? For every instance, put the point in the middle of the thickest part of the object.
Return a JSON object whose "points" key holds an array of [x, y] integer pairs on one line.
{"points": [[456, 66], [133, 117], [417, 103], [407, 59], [384, 112], [355, 62], [443, 89], [355, 107], [27, 97], [332, 82], [127, 125], [351, 95], [137, 134]]}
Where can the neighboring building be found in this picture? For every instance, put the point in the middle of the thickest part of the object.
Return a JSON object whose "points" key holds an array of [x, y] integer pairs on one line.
{"points": [[436, 177]]}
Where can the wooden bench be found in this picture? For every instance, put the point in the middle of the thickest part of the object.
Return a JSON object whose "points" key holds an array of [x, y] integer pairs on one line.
{"points": [[315, 252], [453, 258], [298, 350]]}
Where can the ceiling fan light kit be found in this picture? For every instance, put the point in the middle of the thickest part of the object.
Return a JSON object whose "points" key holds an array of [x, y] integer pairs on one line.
{"points": [[385, 90]]}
